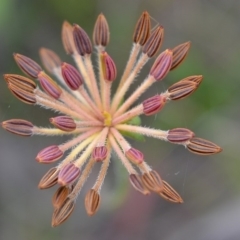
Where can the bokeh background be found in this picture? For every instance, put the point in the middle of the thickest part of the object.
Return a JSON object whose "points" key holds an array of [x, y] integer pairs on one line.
{"points": [[209, 185]]}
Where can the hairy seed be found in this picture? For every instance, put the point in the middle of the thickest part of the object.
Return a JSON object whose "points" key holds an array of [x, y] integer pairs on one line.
{"points": [[67, 38], [49, 179], [49, 86], [135, 155], [108, 67], [26, 96], [18, 126], [27, 65], [65, 123], [68, 174], [71, 76], [20, 81], [154, 42], [142, 29], [99, 153], [152, 181], [179, 54], [81, 40], [92, 202], [195, 78], [50, 59], [137, 183], [49, 154], [179, 135], [170, 194], [101, 31], [153, 104], [162, 65], [181, 90], [62, 213], [60, 196], [202, 146]]}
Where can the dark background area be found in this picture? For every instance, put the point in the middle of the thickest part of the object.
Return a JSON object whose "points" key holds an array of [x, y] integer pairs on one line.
{"points": [[209, 185]]}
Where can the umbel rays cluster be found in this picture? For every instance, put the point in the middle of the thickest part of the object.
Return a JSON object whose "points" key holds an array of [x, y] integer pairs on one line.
{"points": [[98, 119]]}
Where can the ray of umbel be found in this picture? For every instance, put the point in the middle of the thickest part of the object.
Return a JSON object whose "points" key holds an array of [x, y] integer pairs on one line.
{"points": [[97, 118]]}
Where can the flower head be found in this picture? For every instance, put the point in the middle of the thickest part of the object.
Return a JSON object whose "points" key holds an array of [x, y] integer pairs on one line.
{"points": [[98, 119]]}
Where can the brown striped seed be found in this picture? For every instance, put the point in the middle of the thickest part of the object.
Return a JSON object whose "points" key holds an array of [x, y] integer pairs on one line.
{"points": [[49, 179], [142, 29], [179, 54], [154, 42], [81, 40], [179, 135], [92, 202], [181, 90], [152, 181], [202, 146], [62, 213], [27, 65], [49, 86], [162, 65], [101, 33], [60, 196], [26, 96], [18, 126], [195, 78], [169, 194], [137, 183], [50, 59]]}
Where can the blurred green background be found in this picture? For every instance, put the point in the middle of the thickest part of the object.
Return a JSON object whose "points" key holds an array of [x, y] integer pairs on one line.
{"points": [[209, 185]]}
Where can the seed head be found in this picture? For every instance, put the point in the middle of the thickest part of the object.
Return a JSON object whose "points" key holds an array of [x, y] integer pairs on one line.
{"points": [[98, 118]]}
